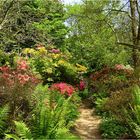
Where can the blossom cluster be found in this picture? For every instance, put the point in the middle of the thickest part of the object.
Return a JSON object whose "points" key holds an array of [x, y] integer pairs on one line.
{"points": [[20, 74], [82, 85], [55, 51], [119, 67], [123, 67], [63, 88], [22, 65], [81, 68]]}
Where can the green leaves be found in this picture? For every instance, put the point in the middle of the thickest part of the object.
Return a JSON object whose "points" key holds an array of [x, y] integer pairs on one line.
{"points": [[136, 95], [50, 114], [3, 117], [32, 22], [91, 33], [112, 129], [21, 132]]}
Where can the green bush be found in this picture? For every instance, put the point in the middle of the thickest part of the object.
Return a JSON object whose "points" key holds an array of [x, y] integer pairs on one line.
{"points": [[52, 67], [3, 118], [110, 80], [116, 103], [7, 58], [133, 114], [100, 102], [112, 129], [56, 99]]}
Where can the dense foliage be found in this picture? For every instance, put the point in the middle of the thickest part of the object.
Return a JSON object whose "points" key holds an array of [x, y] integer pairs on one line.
{"points": [[26, 23], [53, 57]]}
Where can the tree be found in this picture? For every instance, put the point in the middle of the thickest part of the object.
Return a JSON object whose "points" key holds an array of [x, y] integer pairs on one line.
{"points": [[29, 22], [134, 8], [92, 40], [128, 15]]}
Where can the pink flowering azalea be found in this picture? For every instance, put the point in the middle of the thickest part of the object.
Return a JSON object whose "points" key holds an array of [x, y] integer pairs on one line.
{"points": [[4, 68], [70, 90], [20, 74], [22, 65], [64, 88], [119, 67], [23, 78], [5, 76], [55, 51]]}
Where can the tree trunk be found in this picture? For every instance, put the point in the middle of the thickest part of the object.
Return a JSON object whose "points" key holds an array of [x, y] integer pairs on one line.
{"points": [[133, 9]]}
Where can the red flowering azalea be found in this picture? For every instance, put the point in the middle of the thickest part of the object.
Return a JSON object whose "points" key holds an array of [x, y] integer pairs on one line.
{"points": [[82, 85], [64, 88]]}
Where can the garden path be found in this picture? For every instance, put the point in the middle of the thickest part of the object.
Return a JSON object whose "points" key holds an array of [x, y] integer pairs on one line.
{"points": [[87, 125]]}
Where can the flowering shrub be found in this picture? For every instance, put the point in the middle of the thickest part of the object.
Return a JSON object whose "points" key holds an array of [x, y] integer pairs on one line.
{"points": [[119, 67], [16, 86], [22, 65], [55, 51], [82, 85], [53, 65], [81, 68], [20, 74], [64, 88], [123, 67]]}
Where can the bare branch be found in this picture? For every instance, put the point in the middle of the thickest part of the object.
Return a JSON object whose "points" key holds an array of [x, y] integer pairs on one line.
{"points": [[125, 44], [117, 39], [118, 9]]}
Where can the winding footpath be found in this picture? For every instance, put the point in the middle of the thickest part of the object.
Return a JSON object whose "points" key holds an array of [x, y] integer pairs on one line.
{"points": [[87, 125]]}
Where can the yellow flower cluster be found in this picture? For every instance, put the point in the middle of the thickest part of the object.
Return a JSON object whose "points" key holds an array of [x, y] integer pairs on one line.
{"points": [[55, 56], [61, 62], [42, 50], [81, 68], [49, 70], [29, 51]]}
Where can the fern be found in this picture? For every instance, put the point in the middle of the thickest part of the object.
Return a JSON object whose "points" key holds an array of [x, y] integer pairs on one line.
{"points": [[63, 133], [136, 95], [41, 113], [21, 132], [48, 118], [133, 116], [137, 131], [3, 117], [51, 117]]}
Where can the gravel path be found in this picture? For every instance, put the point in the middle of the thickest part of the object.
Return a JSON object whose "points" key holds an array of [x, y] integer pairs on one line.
{"points": [[87, 125]]}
